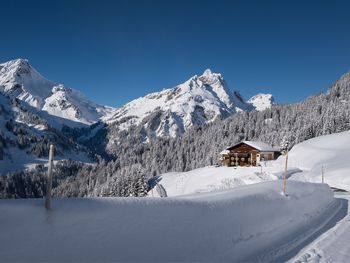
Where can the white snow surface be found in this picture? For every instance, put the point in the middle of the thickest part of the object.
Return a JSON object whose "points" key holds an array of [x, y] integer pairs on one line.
{"points": [[210, 179], [330, 151], [199, 100], [19, 79], [251, 223], [262, 101], [332, 245]]}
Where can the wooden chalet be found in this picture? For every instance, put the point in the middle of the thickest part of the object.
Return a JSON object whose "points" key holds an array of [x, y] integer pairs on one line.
{"points": [[248, 153]]}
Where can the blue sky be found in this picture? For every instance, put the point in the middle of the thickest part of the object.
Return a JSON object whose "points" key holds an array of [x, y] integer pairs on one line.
{"points": [[115, 51]]}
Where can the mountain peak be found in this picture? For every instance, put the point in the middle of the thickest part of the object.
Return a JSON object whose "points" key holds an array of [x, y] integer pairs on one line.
{"points": [[20, 80], [209, 76], [168, 113], [262, 101], [207, 72], [19, 62]]}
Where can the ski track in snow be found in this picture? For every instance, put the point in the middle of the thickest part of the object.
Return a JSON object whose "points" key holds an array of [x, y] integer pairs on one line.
{"points": [[331, 246]]}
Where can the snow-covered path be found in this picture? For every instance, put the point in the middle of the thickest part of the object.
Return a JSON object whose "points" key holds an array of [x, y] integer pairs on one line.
{"points": [[252, 223], [333, 245]]}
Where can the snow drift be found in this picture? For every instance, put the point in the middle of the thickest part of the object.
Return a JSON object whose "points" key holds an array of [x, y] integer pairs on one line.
{"points": [[249, 223], [330, 151]]}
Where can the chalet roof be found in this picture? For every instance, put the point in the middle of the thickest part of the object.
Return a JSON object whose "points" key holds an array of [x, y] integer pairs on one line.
{"points": [[224, 152], [261, 146]]}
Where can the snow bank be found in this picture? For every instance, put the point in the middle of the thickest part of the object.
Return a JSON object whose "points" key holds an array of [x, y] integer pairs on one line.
{"points": [[249, 223], [210, 178], [331, 151]]}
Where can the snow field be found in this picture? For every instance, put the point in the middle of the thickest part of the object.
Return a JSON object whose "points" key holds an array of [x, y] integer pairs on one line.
{"points": [[330, 151], [249, 223], [210, 178]]}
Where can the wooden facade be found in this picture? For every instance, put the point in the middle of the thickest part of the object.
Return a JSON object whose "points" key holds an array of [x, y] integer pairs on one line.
{"points": [[243, 154]]}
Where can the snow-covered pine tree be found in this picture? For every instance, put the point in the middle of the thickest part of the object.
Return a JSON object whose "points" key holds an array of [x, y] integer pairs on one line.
{"points": [[141, 185], [284, 145]]}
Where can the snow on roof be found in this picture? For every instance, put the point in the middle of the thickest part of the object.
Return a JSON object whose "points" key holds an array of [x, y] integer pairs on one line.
{"points": [[261, 146], [224, 152]]}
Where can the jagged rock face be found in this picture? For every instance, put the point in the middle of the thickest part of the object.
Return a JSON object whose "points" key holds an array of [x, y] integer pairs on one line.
{"points": [[262, 101], [199, 100], [19, 79]]}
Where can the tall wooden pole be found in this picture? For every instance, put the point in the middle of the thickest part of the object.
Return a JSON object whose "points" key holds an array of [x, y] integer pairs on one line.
{"points": [[285, 174], [49, 179], [322, 174]]}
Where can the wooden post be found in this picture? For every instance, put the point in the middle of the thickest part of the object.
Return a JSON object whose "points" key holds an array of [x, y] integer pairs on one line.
{"points": [[285, 174], [49, 179], [322, 175]]}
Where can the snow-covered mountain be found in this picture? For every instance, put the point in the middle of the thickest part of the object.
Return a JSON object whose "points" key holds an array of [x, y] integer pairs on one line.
{"points": [[25, 137], [170, 112], [20, 80], [262, 101], [167, 113]]}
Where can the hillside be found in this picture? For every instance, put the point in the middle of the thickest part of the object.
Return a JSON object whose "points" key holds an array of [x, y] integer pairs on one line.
{"points": [[25, 136], [332, 152]]}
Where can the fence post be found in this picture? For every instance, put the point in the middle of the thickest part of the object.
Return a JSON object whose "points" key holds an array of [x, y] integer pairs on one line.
{"points": [[285, 174], [49, 179]]}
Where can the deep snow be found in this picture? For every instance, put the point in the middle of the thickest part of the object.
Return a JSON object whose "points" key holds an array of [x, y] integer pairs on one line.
{"points": [[210, 178], [330, 151], [250, 223], [332, 245]]}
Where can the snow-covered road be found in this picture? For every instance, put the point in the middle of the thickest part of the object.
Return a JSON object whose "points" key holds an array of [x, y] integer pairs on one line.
{"points": [[333, 245], [252, 223]]}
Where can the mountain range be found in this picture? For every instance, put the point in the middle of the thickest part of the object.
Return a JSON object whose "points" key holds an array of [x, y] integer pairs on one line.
{"points": [[199, 100], [35, 112], [19, 79], [141, 138]]}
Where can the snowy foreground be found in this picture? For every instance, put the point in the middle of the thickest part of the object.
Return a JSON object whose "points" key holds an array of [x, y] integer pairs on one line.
{"points": [[252, 222], [333, 245]]}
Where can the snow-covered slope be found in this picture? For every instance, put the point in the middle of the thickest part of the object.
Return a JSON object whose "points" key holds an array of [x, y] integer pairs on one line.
{"points": [[249, 224], [20, 80], [25, 137], [170, 112], [262, 101], [330, 151]]}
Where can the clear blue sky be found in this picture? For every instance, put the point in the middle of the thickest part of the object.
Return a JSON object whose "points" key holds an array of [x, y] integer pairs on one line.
{"points": [[115, 51]]}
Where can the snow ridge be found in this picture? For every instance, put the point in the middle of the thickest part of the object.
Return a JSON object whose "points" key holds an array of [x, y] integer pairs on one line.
{"points": [[199, 100], [19, 79], [262, 101]]}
